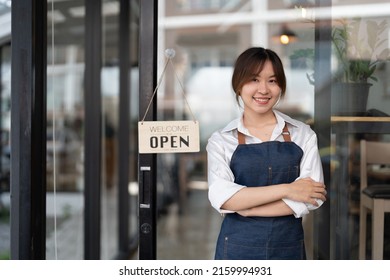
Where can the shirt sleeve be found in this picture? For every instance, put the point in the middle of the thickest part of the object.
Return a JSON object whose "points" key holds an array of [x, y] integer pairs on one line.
{"points": [[311, 166], [220, 177]]}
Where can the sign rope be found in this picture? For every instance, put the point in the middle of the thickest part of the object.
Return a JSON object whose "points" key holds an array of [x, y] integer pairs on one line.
{"points": [[169, 53]]}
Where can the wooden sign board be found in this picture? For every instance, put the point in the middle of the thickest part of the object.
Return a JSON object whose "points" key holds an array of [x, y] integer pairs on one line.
{"points": [[168, 137]]}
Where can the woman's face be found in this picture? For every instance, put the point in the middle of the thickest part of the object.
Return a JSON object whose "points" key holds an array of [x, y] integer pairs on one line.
{"points": [[261, 93]]}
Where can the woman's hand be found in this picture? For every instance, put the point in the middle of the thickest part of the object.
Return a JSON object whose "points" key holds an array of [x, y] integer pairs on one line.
{"points": [[307, 190], [303, 190]]}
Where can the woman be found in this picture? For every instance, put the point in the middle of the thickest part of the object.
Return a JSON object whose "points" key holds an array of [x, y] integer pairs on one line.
{"points": [[264, 169]]}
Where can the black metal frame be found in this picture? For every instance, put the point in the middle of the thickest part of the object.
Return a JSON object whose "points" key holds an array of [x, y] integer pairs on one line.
{"points": [[147, 163], [28, 130], [92, 146], [322, 125], [124, 124]]}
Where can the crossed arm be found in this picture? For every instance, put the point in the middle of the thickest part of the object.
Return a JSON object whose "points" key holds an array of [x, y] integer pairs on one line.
{"points": [[267, 201], [306, 193]]}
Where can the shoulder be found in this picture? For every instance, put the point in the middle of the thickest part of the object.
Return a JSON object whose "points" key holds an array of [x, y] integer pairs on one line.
{"points": [[295, 124], [301, 133]]}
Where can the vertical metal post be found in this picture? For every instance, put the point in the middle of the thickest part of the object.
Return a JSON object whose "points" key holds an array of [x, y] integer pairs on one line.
{"points": [[92, 145], [147, 162], [322, 125], [124, 124], [28, 130]]}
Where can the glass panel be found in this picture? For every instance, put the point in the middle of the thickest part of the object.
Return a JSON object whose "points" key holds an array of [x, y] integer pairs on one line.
{"points": [[207, 42], [110, 109], [133, 154], [360, 53], [360, 110], [5, 7], [66, 110], [110, 126], [65, 139], [5, 125]]}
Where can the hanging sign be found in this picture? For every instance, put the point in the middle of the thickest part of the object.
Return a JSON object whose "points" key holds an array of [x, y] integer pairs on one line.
{"points": [[168, 137]]}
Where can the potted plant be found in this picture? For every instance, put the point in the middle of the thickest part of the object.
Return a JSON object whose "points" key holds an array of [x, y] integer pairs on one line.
{"points": [[358, 57], [304, 58], [360, 46]]}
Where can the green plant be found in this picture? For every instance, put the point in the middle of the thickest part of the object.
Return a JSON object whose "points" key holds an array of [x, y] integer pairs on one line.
{"points": [[359, 51], [4, 214], [5, 255], [304, 58]]}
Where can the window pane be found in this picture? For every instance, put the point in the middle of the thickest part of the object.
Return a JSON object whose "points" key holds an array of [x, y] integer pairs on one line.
{"points": [[65, 126], [5, 161]]}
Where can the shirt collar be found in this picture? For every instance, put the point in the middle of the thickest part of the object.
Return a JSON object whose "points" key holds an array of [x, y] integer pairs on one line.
{"points": [[281, 119]]}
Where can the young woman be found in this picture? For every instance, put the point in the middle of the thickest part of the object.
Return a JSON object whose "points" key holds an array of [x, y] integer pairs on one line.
{"points": [[264, 169]]}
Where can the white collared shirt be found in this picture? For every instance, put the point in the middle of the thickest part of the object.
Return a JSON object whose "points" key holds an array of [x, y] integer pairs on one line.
{"points": [[223, 143]]}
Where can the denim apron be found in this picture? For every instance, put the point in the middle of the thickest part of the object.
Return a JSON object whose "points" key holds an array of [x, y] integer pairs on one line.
{"points": [[263, 238]]}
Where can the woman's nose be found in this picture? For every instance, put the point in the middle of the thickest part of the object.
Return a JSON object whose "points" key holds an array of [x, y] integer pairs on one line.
{"points": [[262, 87]]}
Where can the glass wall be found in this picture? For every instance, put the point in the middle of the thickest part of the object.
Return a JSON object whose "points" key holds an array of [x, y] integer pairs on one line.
{"points": [[5, 123], [207, 36], [110, 97], [65, 130], [360, 111], [66, 121], [329, 56]]}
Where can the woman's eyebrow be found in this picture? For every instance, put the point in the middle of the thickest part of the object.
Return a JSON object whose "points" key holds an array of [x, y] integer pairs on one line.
{"points": [[258, 75]]}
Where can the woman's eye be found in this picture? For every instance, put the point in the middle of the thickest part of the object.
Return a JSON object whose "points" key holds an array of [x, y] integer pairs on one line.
{"points": [[273, 81]]}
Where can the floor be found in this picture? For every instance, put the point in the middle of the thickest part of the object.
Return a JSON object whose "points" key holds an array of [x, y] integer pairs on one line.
{"points": [[187, 233], [191, 234]]}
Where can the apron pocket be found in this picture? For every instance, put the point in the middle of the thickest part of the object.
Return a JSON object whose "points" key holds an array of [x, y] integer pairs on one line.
{"points": [[237, 249], [287, 250]]}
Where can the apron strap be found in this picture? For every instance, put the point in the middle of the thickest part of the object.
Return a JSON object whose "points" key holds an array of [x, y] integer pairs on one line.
{"points": [[241, 138], [285, 134]]}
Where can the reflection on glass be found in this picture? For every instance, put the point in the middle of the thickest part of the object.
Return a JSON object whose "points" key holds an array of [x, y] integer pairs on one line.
{"points": [[360, 55], [208, 36], [65, 139], [5, 160], [65, 131], [205, 55]]}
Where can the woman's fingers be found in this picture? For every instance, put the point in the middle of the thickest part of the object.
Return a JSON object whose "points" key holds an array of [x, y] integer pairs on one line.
{"points": [[320, 192], [314, 190]]}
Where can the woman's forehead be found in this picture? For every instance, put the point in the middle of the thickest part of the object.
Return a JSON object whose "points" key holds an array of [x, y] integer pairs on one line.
{"points": [[266, 67]]}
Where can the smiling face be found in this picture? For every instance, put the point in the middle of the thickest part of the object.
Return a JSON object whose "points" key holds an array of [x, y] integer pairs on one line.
{"points": [[262, 92], [250, 65]]}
